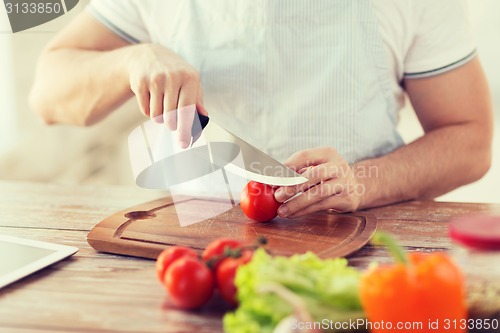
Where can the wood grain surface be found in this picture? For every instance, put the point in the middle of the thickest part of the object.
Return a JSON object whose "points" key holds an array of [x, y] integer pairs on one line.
{"points": [[99, 292], [145, 230]]}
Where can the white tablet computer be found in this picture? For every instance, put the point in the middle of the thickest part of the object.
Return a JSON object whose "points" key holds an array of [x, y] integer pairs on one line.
{"points": [[20, 257]]}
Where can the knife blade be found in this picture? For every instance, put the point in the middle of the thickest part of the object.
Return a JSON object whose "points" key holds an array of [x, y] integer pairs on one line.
{"points": [[158, 162], [253, 164]]}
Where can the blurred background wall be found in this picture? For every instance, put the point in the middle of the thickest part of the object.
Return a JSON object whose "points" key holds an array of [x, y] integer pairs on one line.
{"points": [[30, 150], [61, 154], [484, 20]]}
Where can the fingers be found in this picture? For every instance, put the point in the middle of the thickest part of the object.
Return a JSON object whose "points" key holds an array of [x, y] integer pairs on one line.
{"points": [[336, 195], [338, 204], [188, 96], [157, 89], [312, 157], [184, 123], [174, 105], [168, 89], [170, 104], [331, 184], [316, 165], [199, 105], [315, 175], [315, 195], [170, 119], [201, 110], [140, 88]]}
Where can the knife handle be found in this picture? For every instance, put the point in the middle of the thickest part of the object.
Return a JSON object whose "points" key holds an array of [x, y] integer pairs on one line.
{"points": [[198, 126]]}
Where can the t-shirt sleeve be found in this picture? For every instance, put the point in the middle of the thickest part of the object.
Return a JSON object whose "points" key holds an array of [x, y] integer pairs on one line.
{"points": [[443, 38], [126, 18]]}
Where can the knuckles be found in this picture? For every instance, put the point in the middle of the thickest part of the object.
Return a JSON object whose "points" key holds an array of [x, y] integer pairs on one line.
{"points": [[331, 151], [162, 79], [296, 205], [139, 84], [187, 75], [158, 80], [321, 205], [324, 191], [303, 155], [180, 75]]}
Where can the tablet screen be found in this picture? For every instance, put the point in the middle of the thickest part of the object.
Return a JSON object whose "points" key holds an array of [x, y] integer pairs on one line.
{"points": [[20, 257], [14, 256]]}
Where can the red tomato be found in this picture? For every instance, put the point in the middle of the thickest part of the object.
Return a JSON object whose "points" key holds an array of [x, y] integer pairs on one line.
{"points": [[168, 256], [225, 274], [217, 247], [189, 283], [258, 202]]}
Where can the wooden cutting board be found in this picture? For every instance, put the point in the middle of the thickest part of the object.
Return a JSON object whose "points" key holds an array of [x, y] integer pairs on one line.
{"points": [[145, 230]]}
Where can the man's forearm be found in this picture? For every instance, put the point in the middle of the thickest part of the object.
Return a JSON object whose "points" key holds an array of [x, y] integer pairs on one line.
{"points": [[438, 162], [80, 87]]}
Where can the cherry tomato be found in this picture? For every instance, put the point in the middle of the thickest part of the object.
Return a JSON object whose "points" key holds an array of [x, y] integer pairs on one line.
{"points": [[258, 202], [189, 283], [225, 274], [217, 247], [168, 256]]}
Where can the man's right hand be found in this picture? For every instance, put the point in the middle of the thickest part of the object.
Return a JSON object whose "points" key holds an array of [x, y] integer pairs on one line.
{"points": [[87, 71], [167, 88]]}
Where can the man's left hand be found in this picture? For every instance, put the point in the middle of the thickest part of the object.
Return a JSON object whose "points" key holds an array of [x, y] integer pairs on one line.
{"points": [[332, 184]]}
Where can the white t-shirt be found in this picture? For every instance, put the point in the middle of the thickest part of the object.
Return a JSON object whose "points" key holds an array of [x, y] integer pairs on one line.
{"points": [[422, 37]]}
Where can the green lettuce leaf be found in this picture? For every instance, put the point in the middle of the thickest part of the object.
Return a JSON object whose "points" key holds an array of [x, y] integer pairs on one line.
{"points": [[328, 289]]}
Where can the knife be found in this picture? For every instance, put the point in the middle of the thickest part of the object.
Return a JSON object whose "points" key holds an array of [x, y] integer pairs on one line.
{"points": [[158, 162]]}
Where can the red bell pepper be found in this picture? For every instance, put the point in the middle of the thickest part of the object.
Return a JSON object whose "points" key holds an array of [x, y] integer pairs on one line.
{"points": [[420, 293]]}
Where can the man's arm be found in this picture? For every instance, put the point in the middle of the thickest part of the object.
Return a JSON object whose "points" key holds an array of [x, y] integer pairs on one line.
{"points": [[87, 71], [455, 111], [456, 114], [81, 74]]}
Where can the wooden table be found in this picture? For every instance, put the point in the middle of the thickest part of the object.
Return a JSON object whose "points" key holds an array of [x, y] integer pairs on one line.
{"points": [[96, 292]]}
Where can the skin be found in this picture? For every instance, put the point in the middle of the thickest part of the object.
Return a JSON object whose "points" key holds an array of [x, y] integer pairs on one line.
{"points": [[454, 109], [456, 114], [105, 72]]}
